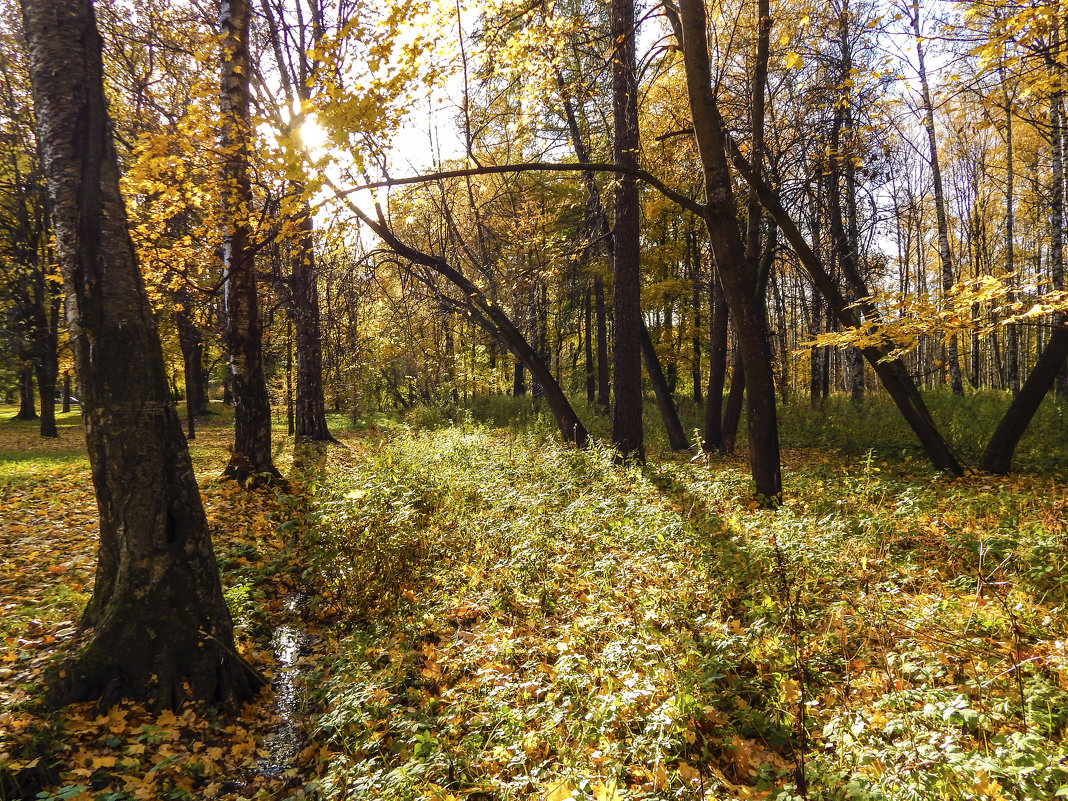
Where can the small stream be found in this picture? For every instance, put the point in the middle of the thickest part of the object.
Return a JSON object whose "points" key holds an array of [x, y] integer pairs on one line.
{"points": [[289, 642]]}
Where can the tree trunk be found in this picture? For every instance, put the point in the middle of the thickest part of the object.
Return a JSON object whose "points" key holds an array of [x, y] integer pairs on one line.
{"points": [[738, 277], [161, 624], [27, 406], [695, 279], [997, 456], [310, 423], [251, 462], [191, 343], [66, 392], [944, 253], [591, 370], [717, 368], [676, 435], [732, 410], [604, 376], [46, 387], [1056, 209], [1012, 346], [627, 433]]}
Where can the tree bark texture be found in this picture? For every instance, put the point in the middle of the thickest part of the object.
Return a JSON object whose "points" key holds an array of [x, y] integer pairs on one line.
{"points": [[717, 367], [160, 621], [738, 279], [627, 432], [251, 461], [310, 411]]}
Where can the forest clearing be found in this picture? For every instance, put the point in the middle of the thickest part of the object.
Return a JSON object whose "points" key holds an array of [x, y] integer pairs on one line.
{"points": [[486, 614], [331, 335]]}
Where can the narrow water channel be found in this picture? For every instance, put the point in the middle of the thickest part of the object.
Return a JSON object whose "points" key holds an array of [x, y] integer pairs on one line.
{"points": [[289, 642]]}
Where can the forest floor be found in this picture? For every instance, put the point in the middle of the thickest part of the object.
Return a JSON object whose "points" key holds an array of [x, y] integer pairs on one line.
{"points": [[481, 614]]}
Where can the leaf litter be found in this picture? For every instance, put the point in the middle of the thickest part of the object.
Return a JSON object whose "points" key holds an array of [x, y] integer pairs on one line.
{"points": [[493, 616]]}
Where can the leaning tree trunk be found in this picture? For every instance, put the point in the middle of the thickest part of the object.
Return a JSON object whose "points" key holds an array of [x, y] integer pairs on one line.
{"points": [[739, 280], [677, 438], [161, 626], [997, 456], [251, 461], [891, 372]]}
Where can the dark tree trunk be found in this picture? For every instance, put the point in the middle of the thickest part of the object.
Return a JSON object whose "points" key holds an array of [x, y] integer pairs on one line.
{"points": [[997, 456], [161, 625], [310, 421], [737, 274], [191, 343], [591, 369], [676, 435], [46, 386], [627, 432], [27, 407], [696, 376], [66, 392], [717, 368], [604, 376], [46, 363], [519, 381], [732, 410], [251, 462]]}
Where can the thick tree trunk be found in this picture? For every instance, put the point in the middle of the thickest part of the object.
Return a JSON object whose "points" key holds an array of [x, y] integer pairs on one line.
{"points": [[251, 462], [27, 406], [161, 624], [627, 432]]}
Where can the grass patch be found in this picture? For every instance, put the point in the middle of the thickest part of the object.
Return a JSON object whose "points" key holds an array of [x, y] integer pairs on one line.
{"points": [[565, 627]]}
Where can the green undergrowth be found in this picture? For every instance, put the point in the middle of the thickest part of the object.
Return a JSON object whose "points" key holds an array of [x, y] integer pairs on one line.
{"points": [[520, 620]]}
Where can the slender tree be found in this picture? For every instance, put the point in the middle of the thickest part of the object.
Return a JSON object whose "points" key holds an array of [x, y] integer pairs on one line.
{"points": [[251, 461]]}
